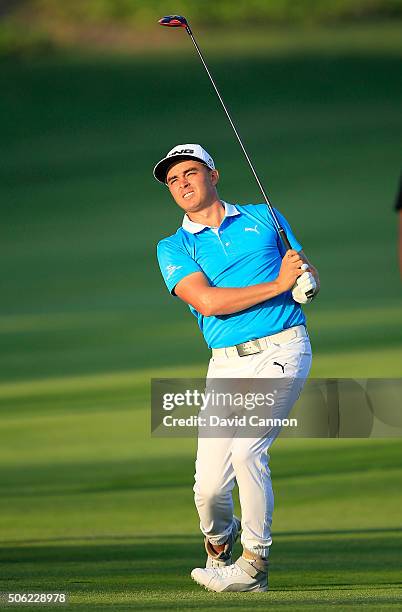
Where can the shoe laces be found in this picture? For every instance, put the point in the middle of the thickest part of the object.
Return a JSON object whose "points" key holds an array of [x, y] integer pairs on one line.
{"points": [[229, 571], [215, 563]]}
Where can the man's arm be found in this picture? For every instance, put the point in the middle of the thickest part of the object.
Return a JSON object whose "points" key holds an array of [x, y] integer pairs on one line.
{"points": [[212, 301]]}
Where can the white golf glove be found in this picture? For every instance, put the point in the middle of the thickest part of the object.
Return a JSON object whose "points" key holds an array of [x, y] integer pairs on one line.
{"points": [[305, 283]]}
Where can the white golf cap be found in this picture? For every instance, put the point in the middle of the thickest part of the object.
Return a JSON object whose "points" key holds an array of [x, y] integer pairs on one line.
{"points": [[178, 153]]}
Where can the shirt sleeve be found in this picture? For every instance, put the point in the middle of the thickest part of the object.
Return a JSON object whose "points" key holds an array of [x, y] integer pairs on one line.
{"points": [[294, 243], [175, 263]]}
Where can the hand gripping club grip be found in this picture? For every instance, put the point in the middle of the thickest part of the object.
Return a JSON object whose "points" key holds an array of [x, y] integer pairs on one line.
{"points": [[310, 293]]}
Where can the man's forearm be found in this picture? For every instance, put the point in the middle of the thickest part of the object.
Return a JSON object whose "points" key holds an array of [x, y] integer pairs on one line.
{"points": [[222, 301], [214, 301]]}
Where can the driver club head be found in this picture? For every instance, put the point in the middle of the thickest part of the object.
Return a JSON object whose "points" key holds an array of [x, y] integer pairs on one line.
{"points": [[174, 21]]}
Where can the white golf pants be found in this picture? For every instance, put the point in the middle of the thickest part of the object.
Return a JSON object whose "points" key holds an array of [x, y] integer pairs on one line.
{"points": [[223, 461]]}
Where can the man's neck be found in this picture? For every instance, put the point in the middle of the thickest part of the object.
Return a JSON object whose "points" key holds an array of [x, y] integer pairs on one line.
{"points": [[211, 216]]}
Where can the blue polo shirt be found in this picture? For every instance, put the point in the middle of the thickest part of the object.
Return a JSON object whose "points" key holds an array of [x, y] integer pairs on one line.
{"points": [[245, 250]]}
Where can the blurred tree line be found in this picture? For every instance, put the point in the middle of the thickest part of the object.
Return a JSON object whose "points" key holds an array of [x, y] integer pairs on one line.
{"points": [[28, 24], [204, 11]]}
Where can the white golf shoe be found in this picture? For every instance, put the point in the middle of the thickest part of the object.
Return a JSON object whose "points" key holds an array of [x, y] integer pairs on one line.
{"points": [[223, 558], [244, 575]]}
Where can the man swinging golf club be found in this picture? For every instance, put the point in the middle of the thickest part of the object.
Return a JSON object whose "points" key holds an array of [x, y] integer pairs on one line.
{"points": [[229, 264]]}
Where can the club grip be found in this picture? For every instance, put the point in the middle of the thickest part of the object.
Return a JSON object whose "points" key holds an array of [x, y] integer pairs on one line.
{"points": [[284, 238]]}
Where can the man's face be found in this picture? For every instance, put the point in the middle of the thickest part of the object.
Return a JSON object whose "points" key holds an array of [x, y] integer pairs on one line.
{"points": [[192, 185]]}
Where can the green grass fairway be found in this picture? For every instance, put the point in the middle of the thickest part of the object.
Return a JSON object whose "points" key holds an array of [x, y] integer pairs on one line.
{"points": [[90, 503], [94, 507]]}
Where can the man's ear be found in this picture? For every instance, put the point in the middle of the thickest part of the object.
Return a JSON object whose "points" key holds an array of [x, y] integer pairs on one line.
{"points": [[214, 177]]}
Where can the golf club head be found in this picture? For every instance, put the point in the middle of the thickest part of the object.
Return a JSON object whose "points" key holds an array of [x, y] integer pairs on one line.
{"points": [[174, 21]]}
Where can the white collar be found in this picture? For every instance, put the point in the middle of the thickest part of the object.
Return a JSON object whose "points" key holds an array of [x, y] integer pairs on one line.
{"points": [[194, 228]]}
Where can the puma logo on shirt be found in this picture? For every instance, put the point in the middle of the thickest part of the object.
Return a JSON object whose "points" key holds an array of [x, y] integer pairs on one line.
{"points": [[252, 229], [171, 270]]}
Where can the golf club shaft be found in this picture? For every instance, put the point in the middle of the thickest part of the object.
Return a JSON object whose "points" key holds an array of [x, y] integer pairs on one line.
{"points": [[176, 21], [278, 226]]}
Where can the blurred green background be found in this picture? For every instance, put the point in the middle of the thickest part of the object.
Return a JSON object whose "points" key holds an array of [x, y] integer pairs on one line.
{"points": [[93, 94]]}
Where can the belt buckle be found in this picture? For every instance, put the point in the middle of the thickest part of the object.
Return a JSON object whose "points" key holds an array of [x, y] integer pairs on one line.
{"points": [[248, 348]]}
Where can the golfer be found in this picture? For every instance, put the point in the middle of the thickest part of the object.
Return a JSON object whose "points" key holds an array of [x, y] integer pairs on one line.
{"points": [[228, 264]]}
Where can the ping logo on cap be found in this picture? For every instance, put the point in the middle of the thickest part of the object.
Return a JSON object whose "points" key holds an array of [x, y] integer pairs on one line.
{"points": [[181, 152], [186, 150]]}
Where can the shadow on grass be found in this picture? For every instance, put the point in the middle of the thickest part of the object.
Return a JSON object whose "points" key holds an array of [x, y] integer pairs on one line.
{"points": [[149, 473]]}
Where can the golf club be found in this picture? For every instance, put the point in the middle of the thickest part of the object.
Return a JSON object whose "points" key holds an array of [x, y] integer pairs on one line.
{"points": [[178, 21]]}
